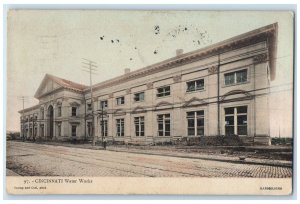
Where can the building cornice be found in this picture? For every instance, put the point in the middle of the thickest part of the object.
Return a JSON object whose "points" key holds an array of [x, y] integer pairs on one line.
{"points": [[267, 33], [29, 109]]}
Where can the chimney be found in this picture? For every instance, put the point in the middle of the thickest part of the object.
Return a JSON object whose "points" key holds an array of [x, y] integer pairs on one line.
{"points": [[179, 52], [126, 71]]}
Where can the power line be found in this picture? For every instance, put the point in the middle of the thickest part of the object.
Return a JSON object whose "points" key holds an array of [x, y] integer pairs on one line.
{"points": [[92, 67]]}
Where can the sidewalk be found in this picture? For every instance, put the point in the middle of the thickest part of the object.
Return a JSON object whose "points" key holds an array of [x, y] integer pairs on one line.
{"points": [[211, 156], [172, 151]]}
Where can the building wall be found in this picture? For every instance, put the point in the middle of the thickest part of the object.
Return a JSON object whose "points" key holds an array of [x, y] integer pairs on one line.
{"points": [[213, 99]]}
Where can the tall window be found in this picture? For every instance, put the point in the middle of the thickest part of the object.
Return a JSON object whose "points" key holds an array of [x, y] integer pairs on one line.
{"points": [[139, 126], [58, 111], [42, 114], [89, 126], [163, 91], [74, 110], [236, 120], [195, 85], [34, 132], [42, 130], [103, 127], [89, 106], [103, 104], [120, 100], [195, 122], [139, 96], [120, 127], [164, 125], [235, 77], [74, 130], [59, 129]]}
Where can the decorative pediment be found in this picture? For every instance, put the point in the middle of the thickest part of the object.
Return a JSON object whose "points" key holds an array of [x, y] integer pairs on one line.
{"points": [[74, 104], [48, 85], [52, 83], [120, 112], [138, 109], [194, 102], [236, 95], [89, 115], [163, 105]]}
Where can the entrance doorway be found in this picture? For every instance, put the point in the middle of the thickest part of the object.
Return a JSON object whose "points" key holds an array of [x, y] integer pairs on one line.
{"points": [[50, 122]]}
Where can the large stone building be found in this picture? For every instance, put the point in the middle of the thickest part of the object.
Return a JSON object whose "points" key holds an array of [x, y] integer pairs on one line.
{"points": [[222, 89]]}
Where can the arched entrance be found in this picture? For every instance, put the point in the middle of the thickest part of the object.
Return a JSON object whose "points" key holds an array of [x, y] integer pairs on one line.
{"points": [[50, 122]]}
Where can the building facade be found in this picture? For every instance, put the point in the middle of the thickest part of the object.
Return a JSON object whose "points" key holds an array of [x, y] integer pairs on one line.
{"points": [[222, 89]]}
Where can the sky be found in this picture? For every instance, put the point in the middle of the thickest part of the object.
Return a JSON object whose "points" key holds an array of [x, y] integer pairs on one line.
{"points": [[55, 42]]}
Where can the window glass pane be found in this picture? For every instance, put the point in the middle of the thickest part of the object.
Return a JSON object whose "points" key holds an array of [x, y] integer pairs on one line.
{"points": [[191, 131], [190, 114], [229, 78], [200, 131], [242, 109], [191, 123], [200, 84], [229, 120], [190, 86], [242, 119], [160, 133], [242, 130], [200, 113], [167, 127], [229, 111], [241, 76], [167, 89], [160, 126], [229, 130], [200, 122]]}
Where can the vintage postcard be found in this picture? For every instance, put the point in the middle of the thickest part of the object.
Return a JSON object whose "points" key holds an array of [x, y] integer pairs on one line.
{"points": [[149, 102]]}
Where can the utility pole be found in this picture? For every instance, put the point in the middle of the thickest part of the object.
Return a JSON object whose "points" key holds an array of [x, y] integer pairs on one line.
{"points": [[90, 67], [23, 98]]}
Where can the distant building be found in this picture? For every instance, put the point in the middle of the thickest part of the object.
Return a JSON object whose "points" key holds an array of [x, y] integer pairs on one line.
{"points": [[222, 89]]}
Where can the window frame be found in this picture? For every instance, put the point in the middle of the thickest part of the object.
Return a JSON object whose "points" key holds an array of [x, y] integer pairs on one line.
{"points": [[89, 125], [72, 111], [104, 102], [234, 73], [72, 133], [235, 116], [164, 124], [139, 122], [138, 94], [59, 111], [163, 92], [105, 127], [89, 106], [117, 99], [121, 122], [195, 118], [195, 85]]}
